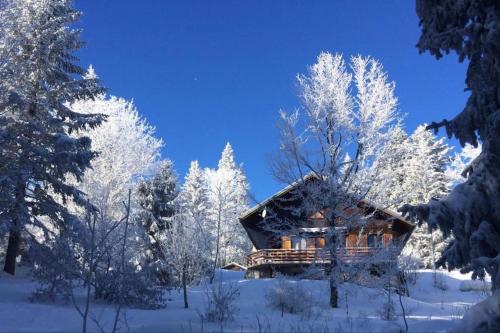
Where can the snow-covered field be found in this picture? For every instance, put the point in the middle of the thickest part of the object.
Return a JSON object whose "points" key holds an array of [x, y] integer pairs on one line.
{"points": [[429, 309]]}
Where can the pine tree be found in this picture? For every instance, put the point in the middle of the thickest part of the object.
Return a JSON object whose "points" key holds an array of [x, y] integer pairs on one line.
{"points": [[38, 76], [157, 198], [461, 162], [414, 173], [426, 179], [389, 189], [194, 205], [471, 28], [228, 189]]}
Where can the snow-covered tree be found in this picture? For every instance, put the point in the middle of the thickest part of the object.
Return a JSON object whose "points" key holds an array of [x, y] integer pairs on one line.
{"points": [[425, 178], [227, 197], [38, 77], [157, 198], [186, 255], [128, 150], [194, 206], [344, 113], [389, 189], [460, 162], [471, 212]]}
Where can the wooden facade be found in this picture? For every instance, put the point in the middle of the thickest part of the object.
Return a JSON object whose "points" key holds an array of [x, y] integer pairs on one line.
{"points": [[291, 252]]}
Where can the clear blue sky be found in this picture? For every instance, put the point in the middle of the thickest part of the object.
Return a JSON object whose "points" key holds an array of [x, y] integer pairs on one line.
{"points": [[208, 72]]}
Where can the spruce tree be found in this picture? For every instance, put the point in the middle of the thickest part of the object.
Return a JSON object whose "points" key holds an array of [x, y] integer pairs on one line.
{"points": [[194, 206], [471, 29], [39, 76], [157, 198], [228, 190]]}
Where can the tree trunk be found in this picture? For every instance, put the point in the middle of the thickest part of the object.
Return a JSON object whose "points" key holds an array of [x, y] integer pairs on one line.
{"points": [[334, 294], [184, 288], [217, 249], [12, 251]]}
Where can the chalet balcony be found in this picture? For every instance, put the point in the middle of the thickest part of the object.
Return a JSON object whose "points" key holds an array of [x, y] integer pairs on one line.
{"points": [[306, 256]]}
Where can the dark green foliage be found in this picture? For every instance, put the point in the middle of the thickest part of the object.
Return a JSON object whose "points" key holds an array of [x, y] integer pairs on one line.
{"points": [[38, 77], [157, 198]]}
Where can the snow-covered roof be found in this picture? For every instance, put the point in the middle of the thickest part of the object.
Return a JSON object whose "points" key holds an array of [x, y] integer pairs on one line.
{"points": [[275, 196], [234, 264], [309, 176]]}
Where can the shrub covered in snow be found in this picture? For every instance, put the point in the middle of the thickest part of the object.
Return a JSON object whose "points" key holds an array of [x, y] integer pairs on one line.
{"points": [[440, 282], [221, 301], [409, 266], [289, 296], [475, 285]]}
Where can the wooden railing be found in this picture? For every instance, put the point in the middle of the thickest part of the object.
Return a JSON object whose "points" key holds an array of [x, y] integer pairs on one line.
{"points": [[292, 256]]}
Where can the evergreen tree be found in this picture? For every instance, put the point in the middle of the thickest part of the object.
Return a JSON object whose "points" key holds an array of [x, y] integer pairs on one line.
{"points": [[38, 76], [389, 187], [414, 173], [461, 162], [194, 206], [470, 212], [227, 189], [157, 198]]}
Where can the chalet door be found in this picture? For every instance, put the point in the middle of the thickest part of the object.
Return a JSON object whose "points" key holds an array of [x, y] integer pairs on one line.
{"points": [[351, 240], [303, 244], [363, 241], [298, 243], [374, 240], [320, 242], [387, 239]]}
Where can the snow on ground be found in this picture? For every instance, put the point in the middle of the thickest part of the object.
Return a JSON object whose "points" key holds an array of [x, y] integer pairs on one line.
{"points": [[428, 308]]}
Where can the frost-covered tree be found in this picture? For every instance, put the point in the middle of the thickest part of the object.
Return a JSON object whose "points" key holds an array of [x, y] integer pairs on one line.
{"points": [[343, 113], [227, 197], [157, 198], [389, 189], [194, 206], [414, 172], [186, 255], [425, 178], [471, 212], [187, 244], [38, 77], [128, 150], [460, 162]]}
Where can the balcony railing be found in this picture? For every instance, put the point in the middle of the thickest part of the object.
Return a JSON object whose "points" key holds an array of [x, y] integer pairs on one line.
{"points": [[292, 256]]}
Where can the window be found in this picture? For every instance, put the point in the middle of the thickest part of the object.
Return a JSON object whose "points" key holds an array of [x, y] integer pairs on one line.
{"points": [[286, 243], [374, 240], [298, 243]]}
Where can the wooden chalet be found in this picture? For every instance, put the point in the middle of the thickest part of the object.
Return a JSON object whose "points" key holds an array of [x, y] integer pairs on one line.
{"points": [[291, 253]]}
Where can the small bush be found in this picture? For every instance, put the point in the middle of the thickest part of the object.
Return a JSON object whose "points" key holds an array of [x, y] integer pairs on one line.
{"points": [[221, 299], [409, 266], [475, 285], [440, 282], [290, 297]]}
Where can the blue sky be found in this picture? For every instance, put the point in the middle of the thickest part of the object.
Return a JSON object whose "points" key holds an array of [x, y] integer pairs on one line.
{"points": [[208, 72]]}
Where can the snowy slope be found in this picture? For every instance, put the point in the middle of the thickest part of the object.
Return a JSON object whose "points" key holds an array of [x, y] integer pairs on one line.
{"points": [[429, 309]]}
